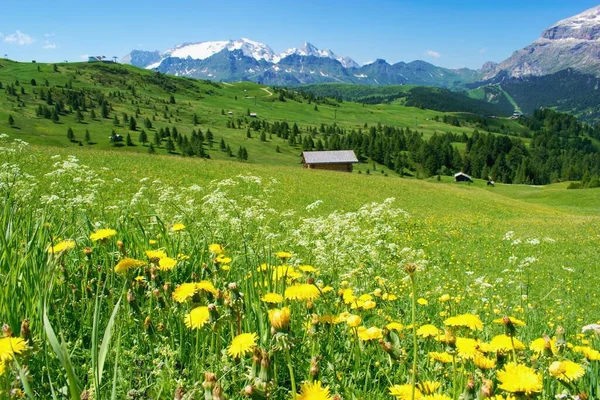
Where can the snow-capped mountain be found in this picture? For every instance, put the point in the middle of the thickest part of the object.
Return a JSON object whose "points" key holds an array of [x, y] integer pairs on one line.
{"points": [[203, 50], [309, 49], [256, 50], [570, 43]]}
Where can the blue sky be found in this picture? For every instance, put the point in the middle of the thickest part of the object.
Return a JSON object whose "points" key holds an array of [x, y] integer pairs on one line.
{"points": [[451, 34]]}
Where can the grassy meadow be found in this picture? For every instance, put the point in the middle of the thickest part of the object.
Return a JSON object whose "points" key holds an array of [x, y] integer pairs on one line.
{"points": [[126, 275]]}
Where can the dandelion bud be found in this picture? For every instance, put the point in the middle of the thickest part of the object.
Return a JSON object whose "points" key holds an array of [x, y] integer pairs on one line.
{"points": [[583, 396], [310, 280], [314, 368], [280, 319], [217, 392], [256, 357], [233, 286], [410, 269], [547, 346], [560, 339], [209, 383], [47, 225], [87, 251], [309, 305], [248, 390], [85, 395], [213, 313], [160, 327], [336, 397], [130, 296], [487, 388], [353, 321], [509, 327], [179, 393], [265, 364], [25, 332], [6, 331], [147, 323], [167, 287], [120, 246]]}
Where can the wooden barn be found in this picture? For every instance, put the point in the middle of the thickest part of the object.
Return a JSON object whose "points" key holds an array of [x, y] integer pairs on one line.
{"points": [[462, 177], [339, 160]]}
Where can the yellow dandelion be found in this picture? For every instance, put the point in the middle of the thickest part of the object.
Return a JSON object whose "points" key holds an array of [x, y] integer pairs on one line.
{"points": [[166, 264], [520, 379], [353, 320], [284, 255], [404, 392], [207, 287], [64, 245], [503, 343], [184, 292], [197, 318], [313, 391], [422, 301], [389, 297], [369, 304], [329, 319], [467, 347], [222, 259], [470, 321], [326, 289], [2, 368], [302, 292], [155, 255], [272, 298], [483, 362], [509, 320], [395, 326], [428, 387], [152, 242], [140, 278], [444, 298], [365, 297], [373, 333], [566, 371], [428, 331], [9, 346], [286, 272], [444, 358], [588, 352], [307, 268], [178, 227], [215, 248], [126, 264], [102, 234], [541, 345], [242, 344]]}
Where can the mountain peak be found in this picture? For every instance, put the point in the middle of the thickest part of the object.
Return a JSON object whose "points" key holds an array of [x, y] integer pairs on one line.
{"points": [[584, 27]]}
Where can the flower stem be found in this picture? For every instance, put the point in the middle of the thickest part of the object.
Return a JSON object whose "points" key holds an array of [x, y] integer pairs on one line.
{"points": [[414, 326], [291, 369]]}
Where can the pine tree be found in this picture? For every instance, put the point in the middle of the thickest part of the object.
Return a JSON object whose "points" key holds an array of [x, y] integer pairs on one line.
{"points": [[222, 145], [263, 136], [88, 137], [151, 149], [92, 114], [128, 141], [70, 134], [132, 124], [143, 137], [55, 116], [147, 123], [170, 145], [248, 134], [116, 120], [79, 116], [11, 120], [104, 110], [172, 99], [157, 139]]}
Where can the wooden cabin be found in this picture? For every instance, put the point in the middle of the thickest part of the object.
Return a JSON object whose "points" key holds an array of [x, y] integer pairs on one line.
{"points": [[462, 177], [338, 160]]}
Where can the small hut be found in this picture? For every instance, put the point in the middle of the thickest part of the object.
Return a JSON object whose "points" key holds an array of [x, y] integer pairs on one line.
{"points": [[339, 160], [462, 177]]}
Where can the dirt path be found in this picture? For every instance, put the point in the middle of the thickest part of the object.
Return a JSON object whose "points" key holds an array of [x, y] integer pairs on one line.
{"points": [[268, 91]]}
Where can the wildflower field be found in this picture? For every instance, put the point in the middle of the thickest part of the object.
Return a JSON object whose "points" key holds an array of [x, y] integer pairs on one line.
{"points": [[122, 278]]}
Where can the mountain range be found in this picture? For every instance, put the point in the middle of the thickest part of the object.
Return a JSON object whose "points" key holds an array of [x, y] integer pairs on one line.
{"points": [[567, 54]]}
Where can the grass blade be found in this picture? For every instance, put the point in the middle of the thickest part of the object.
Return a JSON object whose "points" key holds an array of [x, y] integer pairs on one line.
{"points": [[106, 340], [64, 358]]}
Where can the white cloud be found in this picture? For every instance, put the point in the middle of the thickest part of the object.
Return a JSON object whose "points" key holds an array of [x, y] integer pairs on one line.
{"points": [[49, 35], [433, 54], [483, 50], [49, 45], [20, 38]]}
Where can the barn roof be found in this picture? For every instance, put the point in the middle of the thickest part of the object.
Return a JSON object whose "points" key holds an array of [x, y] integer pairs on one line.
{"points": [[462, 174], [329, 157]]}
